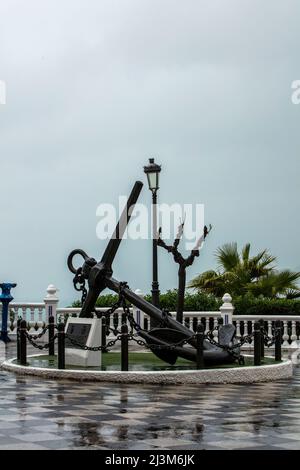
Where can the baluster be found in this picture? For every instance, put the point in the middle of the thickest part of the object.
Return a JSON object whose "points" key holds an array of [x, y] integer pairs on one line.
{"points": [[285, 335], [294, 335], [13, 322], [120, 318], [270, 330], [216, 331], [40, 315], [24, 313], [238, 329], [204, 323], [32, 315], [252, 331]]}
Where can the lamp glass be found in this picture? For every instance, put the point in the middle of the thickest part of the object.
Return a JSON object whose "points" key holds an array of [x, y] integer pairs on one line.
{"points": [[153, 180]]}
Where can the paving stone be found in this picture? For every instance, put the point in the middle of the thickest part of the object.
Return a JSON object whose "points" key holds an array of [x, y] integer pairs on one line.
{"points": [[49, 414]]}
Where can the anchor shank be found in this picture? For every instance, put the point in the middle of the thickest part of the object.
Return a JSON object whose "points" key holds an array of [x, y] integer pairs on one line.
{"points": [[116, 238], [147, 308]]}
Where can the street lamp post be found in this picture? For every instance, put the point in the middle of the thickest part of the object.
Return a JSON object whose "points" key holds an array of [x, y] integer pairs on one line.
{"points": [[152, 171]]}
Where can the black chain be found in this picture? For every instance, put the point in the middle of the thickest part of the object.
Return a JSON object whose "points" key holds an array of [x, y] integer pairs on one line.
{"points": [[140, 342], [170, 347], [95, 348], [79, 284], [39, 335], [40, 346], [245, 339], [269, 341]]}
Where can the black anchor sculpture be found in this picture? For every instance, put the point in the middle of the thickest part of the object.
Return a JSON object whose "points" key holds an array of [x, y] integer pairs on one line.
{"points": [[99, 277]]}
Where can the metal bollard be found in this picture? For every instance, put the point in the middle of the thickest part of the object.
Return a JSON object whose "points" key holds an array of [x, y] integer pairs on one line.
{"points": [[199, 346], [18, 339], [257, 344], [116, 320], [278, 334], [51, 336], [123, 318], [103, 332], [61, 346], [262, 343], [23, 343], [5, 298], [124, 347]]}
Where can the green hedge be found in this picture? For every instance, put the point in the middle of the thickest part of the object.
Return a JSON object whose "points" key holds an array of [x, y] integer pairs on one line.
{"points": [[193, 302], [203, 302], [251, 306]]}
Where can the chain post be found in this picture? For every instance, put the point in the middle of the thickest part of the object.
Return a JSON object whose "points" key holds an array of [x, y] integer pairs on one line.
{"points": [[257, 344], [61, 345], [124, 347], [262, 343], [103, 332], [18, 339], [23, 344], [199, 346], [51, 336], [115, 320], [278, 334], [124, 318]]}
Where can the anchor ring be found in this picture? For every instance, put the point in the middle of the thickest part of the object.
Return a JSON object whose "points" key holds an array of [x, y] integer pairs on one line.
{"points": [[72, 255]]}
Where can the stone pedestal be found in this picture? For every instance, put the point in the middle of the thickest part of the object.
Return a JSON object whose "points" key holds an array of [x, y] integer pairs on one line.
{"points": [[88, 332]]}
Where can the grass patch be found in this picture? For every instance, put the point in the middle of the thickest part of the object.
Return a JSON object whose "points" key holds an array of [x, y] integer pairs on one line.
{"points": [[138, 361]]}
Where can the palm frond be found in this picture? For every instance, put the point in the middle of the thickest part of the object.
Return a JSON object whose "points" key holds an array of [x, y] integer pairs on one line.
{"points": [[246, 253], [228, 256]]}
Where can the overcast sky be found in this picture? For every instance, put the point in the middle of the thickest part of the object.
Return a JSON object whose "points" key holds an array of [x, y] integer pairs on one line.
{"points": [[95, 88]]}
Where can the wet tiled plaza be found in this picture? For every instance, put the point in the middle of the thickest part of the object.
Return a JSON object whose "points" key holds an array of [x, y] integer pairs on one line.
{"points": [[50, 414]]}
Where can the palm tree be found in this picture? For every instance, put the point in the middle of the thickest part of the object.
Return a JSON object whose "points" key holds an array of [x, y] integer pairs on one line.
{"points": [[240, 274]]}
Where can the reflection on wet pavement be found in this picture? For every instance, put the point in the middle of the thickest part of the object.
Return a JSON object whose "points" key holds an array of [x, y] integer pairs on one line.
{"points": [[49, 414]]}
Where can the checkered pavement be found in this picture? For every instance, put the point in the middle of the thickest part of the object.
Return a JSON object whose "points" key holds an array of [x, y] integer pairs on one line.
{"points": [[52, 414]]}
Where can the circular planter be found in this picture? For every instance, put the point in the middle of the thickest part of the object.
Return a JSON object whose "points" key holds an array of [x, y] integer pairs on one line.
{"points": [[248, 374]]}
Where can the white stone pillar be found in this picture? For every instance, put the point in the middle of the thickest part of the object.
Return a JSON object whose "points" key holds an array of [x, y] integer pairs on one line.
{"points": [[138, 315], [51, 301], [227, 309]]}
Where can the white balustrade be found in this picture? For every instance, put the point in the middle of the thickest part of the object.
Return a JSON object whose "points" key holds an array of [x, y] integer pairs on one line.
{"points": [[37, 314]]}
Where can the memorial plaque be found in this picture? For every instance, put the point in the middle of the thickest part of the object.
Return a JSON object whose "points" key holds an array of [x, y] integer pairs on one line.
{"points": [[79, 332], [86, 332]]}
